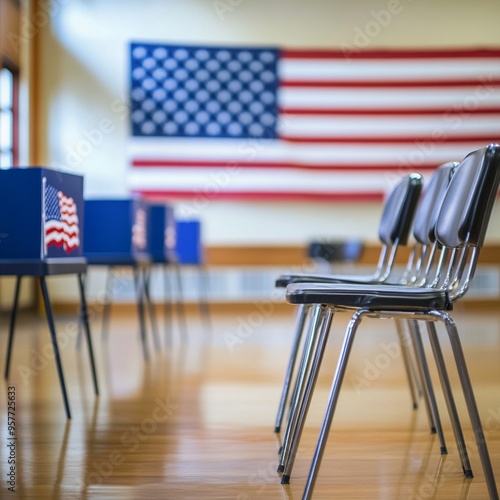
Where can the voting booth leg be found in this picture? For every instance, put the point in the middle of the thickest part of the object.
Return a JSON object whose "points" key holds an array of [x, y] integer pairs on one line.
{"points": [[139, 288], [85, 318], [204, 307], [167, 306], [12, 324], [151, 308], [181, 315], [53, 336], [106, 310], [80, 317]]}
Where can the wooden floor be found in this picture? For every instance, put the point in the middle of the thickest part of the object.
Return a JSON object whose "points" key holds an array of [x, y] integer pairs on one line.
{"points": [[197, 420]]}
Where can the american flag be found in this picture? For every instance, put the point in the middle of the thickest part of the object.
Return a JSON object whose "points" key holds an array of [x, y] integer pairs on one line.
{"points": [[61, 220], [283, 124]]}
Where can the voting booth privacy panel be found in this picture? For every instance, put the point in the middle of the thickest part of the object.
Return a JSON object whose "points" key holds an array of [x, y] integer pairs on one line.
{"points": [[116, 231], [162, 233], [188, 247], [42, 215]]}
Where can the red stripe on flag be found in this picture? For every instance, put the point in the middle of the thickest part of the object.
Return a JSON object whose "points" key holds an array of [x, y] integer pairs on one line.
{"points": [[389, 54], [264, 195], [386, 111], [378, 84], [469, 139]]}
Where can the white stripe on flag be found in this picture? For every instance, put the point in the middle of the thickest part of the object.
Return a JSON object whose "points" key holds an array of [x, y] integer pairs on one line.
{"points": [[396, 70]]}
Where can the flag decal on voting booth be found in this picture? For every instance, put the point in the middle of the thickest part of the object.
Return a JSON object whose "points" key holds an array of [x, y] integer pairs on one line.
{"points": [[61, 219], [161, 233]]}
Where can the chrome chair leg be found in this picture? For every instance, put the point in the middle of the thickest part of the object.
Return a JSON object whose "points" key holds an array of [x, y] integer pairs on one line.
{"points": [[332, 402], [425, 394], [427, 381], [408, 364], [470, 401], [301, 320], [309, 389], [449, 399], [308, 327], [305, 364]]}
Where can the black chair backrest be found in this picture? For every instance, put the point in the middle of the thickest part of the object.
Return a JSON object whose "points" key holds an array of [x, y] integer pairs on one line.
{"points": [[430, 204], [467, 206], [399, 210]]}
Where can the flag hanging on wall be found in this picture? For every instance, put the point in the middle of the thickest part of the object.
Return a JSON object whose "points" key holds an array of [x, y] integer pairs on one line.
{"points": [[281, 124]]}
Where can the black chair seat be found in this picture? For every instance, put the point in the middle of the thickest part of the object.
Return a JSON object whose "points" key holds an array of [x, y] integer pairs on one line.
{"points": [[374, 297], [287, 279]]}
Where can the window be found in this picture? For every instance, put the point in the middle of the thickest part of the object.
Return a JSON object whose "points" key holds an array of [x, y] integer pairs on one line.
{"points": [[8, 118]]}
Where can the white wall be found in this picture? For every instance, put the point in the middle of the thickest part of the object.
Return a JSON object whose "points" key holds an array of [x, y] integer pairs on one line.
{"points": [[85, 75]]}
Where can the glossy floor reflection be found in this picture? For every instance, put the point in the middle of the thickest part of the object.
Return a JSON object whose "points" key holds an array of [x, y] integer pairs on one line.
{"points": [[197, 420]]}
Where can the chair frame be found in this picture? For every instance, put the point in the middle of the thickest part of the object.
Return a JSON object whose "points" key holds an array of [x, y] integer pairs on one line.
{"points": [[458, 255], [419, 378], [396, 229]]}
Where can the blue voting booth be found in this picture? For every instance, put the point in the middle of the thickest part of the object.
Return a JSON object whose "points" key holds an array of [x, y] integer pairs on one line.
{"points": [[117, 235], [189, 252], [116, 231], [163, 250], [41, 235], [189, 247], [42, 219]]}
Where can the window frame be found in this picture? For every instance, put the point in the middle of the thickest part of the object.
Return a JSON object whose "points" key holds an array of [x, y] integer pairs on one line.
{"points": [[15, 111]]}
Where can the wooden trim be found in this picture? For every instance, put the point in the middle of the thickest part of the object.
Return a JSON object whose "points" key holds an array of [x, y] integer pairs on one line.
{"points": [[255, 255], [296, 255], [35, 115], [15, 118], [10, 25]]}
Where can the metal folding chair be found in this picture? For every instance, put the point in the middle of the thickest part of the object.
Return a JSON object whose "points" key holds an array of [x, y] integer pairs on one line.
{"points": [[425, 220], [395, 225], [460, 230]]}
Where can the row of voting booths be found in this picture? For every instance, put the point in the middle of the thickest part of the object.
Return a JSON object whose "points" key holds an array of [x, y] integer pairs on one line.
{"points": [[48, 228]]}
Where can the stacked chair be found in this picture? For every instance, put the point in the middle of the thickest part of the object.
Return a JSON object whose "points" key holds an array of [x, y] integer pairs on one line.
{"points": [[423, 229], [394, 229], [450, 239]]}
